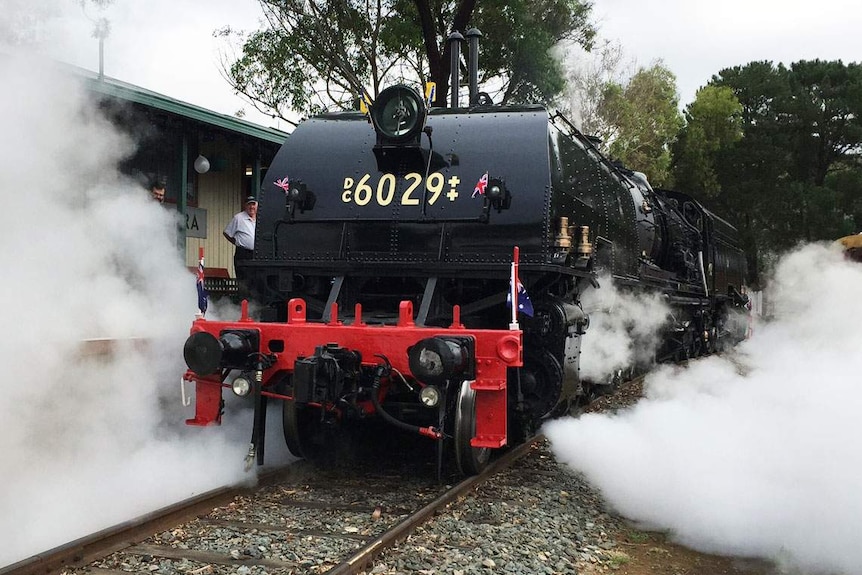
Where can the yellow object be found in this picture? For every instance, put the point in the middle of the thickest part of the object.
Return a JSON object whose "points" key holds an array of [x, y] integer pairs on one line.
{"points": [[852, 246], [430, 92], [849, 242], [364, 102]]}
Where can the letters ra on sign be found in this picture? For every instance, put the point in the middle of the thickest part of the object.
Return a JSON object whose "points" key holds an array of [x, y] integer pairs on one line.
{"points": [[196, 223]]}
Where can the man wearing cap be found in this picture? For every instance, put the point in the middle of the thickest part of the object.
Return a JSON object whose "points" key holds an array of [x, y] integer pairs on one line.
{"points": [[240, 232]]}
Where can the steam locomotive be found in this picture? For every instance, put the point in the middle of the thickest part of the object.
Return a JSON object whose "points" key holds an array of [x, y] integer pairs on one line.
{"points": [[424, 268]]}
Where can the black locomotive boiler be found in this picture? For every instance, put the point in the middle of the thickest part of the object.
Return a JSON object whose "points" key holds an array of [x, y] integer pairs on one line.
{"points": [[391, 246]]}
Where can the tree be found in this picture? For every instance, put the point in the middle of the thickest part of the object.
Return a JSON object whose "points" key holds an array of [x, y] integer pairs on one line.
{"points": [[825, 112], [801, 122], [713, 123], [588, 73], [845, 178], [519, 36], [793, 175], [645, 119], [316, 54], [310, 54]]}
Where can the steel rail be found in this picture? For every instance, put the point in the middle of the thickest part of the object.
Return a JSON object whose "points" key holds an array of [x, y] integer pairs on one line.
{"points": [[97, 545], [362, 558]]}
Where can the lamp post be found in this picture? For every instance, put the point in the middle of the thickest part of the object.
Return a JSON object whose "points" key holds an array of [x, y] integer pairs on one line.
{"points": [[101, 31]]}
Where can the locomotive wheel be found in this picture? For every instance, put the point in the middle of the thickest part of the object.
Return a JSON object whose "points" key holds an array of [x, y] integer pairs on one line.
{"points": [[697, 347], [470, 460], [541, 382], [717, 340], [686, 347]]}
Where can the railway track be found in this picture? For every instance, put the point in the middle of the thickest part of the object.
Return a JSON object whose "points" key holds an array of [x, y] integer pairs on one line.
{"points": [[296, 520]]}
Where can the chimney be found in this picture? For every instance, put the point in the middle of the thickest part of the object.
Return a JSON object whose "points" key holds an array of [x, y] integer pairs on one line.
{"points": [[473, 35], [455, 39]]}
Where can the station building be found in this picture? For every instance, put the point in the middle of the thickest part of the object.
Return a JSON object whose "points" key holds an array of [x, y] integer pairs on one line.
{"points": [[172, 136]]}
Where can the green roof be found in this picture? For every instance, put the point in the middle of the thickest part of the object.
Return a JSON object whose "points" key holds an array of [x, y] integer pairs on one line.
{"points": [[124, 91]]}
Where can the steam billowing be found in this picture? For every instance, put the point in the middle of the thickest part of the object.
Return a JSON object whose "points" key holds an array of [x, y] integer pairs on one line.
{"points": [[624, 329], [88, 442], [754, 453]]}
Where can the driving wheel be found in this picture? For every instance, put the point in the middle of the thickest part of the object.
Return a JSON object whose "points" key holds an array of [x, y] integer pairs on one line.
{"points": [[470, 460]]}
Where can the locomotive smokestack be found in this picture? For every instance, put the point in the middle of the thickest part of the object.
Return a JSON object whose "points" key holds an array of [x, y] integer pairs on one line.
{"points": [[455, 39], [473, 35]]}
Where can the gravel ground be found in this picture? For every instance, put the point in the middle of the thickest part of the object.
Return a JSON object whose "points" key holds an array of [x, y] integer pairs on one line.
{"points": [[536, 517], [541, 517]]}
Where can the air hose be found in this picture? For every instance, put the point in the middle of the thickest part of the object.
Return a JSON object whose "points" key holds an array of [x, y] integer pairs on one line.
{"points": [[379, 372]]}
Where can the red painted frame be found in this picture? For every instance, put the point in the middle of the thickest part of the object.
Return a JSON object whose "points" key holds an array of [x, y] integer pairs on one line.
{"points": [[496, 350]]}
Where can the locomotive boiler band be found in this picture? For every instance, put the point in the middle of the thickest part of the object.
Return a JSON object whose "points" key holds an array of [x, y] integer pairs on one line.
{"points": [[383, 276]]}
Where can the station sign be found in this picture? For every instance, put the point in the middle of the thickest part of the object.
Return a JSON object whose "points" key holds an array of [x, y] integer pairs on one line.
{"points": [[196, 222]]}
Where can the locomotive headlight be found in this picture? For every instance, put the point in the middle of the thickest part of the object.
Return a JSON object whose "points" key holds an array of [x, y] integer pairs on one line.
{"points": [[241, 385], [398, 115], [430, 363], [430, 396], [437, 359]]}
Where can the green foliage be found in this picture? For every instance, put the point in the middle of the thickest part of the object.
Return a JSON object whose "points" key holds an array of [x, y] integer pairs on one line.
{"points": [[517, 40], [845, 178], [617, 559], [315, 54], [795, 174], [803, 123], [645, 116], [311, 55], [713, 124], [824, 115]]}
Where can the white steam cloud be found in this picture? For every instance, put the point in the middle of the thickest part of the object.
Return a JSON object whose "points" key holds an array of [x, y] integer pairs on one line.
{"points": [[624, 329], [88, 443], [755, 453]]}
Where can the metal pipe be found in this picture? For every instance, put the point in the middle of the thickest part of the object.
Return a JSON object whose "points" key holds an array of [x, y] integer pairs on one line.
{"points": [[473, 35], [388, 418], [455, 39], [702, 273], [101, 58]]}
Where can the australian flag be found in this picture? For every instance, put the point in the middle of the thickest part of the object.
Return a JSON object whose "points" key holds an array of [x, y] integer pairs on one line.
{"points": [[202, 291], [525, 306]]}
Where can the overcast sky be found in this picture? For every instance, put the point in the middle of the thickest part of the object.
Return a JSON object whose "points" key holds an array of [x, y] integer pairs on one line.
{"points": [[162, 45], [697, 38], [168, 45]]}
